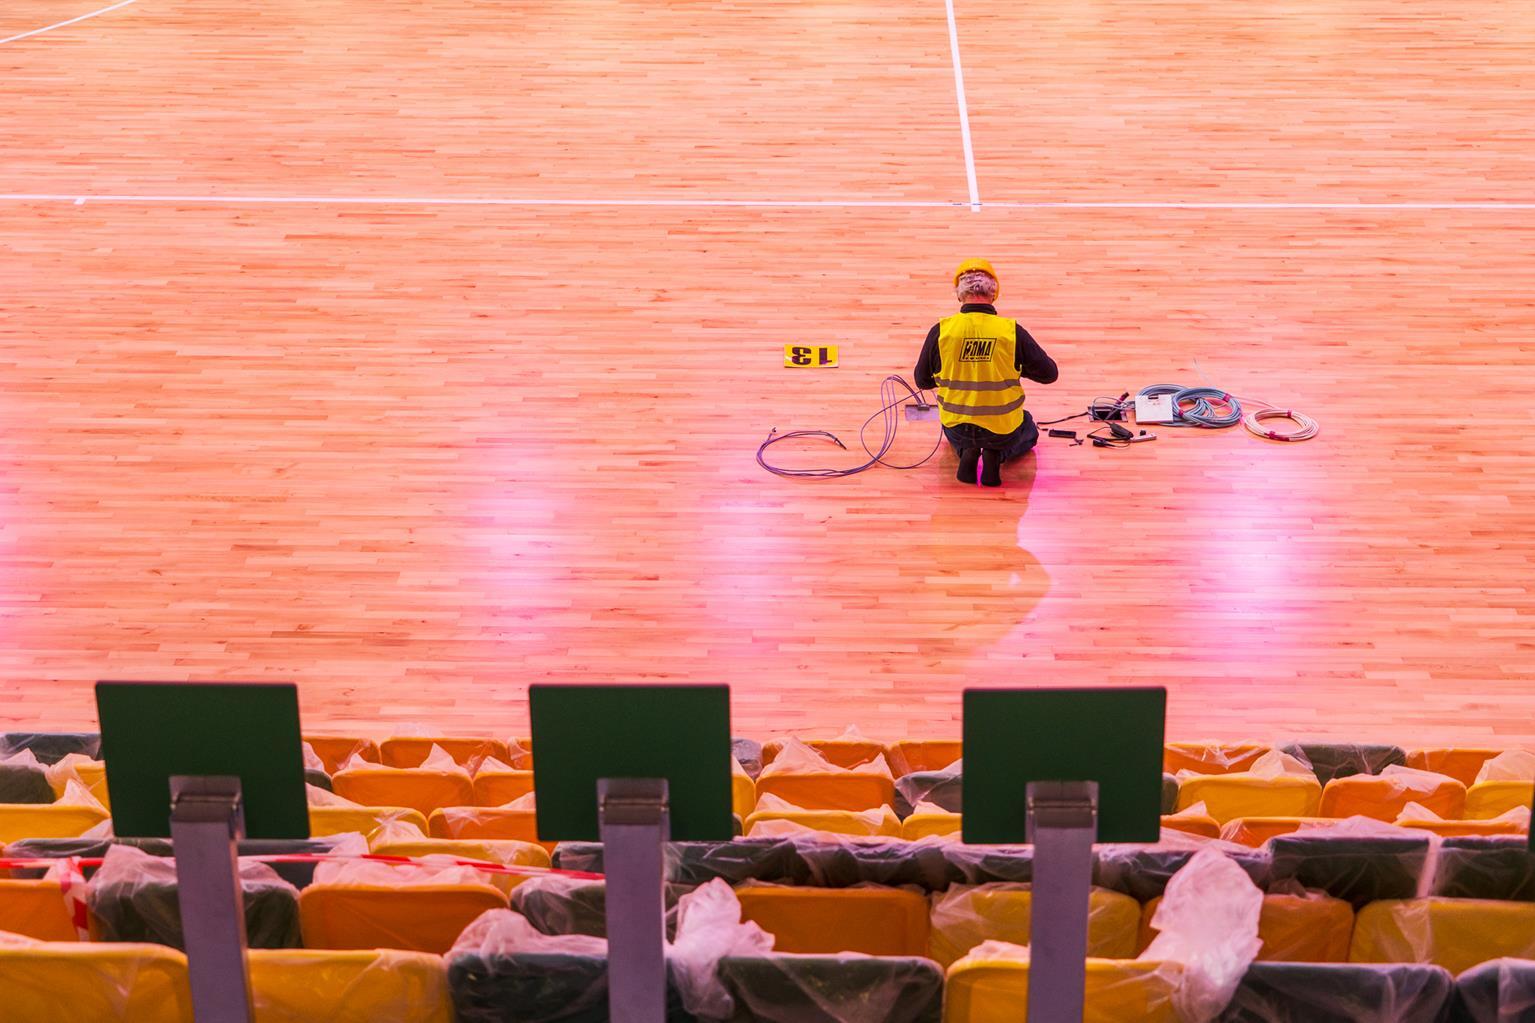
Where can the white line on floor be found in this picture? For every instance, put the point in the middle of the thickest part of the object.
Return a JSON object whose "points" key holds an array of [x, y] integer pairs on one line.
{"points": [[61, 24]]}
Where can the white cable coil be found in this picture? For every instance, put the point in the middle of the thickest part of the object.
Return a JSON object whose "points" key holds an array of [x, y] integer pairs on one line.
{"points": [[1306, 427]]}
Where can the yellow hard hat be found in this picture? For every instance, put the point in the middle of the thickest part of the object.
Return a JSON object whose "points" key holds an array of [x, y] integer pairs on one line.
{"points": [[977, 264]]}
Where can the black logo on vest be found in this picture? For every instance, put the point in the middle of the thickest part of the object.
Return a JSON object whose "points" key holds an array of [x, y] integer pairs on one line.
{"points": [[978, 349]]}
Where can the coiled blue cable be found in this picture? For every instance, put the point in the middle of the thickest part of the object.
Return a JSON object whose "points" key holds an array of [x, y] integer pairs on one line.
{"points": [[1202, 412]]}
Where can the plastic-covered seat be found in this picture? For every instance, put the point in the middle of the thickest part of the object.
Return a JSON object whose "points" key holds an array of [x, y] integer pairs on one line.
{"points": [[20, 821], [35, 908], [1355, 868], [562, 905], [1465, 829], [51, 747], [1498, 991], [1463, 763], [1142, 871], [842, 752], [502, 851], [1212, 757], [537, 987], [24, 783], [926, 823], [965, 916], [774, 859], [1486, 868], [495, 787], [1385, 796], [417, 918], [1169, 793], [828, 790], [346, 986], [1200, 824], [881, 821], [81, 982], [747, 753], [336, 750], [296, 874], [823, 921], [1254, 831], [743, 790], [421, 789], [1329, 760], [943, 789], [1309, 928], [364, 820], [1340, 993], [1488, 799], [931, 865], [90, 773], [1232, 795], [832, 989], [1454, 933], [912, 756], [466, 751], [519, 824], [1118, 991]]}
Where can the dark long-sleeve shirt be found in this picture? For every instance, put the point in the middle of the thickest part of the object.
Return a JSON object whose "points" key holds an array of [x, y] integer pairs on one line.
{"points": [[1032, 362]]}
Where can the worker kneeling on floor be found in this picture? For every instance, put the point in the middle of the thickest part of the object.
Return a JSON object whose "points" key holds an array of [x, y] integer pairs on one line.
{"points": [[974, 360]]}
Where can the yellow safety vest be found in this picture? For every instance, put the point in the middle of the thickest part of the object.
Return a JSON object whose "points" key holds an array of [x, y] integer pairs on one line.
{"points": [[979, 379]]}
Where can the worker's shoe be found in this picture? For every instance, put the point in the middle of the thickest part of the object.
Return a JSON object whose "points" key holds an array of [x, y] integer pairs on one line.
{"points": [[991, 468], [967, 461]]}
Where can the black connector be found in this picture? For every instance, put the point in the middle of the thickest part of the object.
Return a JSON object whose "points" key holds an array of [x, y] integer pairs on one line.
{"points": [[1068, 434]]}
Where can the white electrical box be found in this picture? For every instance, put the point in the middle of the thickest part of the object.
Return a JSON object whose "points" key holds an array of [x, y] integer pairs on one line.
{"points": [[1155, 409]]}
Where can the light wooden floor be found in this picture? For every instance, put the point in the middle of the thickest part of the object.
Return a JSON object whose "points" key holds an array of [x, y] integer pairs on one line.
{"points": [[416, 455]]}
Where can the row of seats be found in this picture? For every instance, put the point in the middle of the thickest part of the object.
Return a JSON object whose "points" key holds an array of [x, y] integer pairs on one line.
{"points": [[55, 983]]}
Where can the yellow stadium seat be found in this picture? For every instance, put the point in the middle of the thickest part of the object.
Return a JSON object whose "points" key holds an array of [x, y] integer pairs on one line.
{"points": [[1465, 829], [1310, 928], [491, 850], [836, 822], [81, 982], [497, 788], [965, 916], [46, 820], [476, 822], [1463, 763], [1229, 796], [412, 750], [1211, 757], [1384, 797], [1254, 831], [829, 790], [36, 909], [1454, 933], [840, 752], [924, 823], [1488, 799], [743, 791], [422, 788], [1118, 991], [823, 921], [1199, 824], [341, 820], [91, 773], [909, 756], [334, 986], [335, 750], [416, 917]]}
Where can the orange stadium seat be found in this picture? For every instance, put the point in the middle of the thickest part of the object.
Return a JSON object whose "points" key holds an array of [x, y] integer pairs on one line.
{"points": [[911, 755], [1462, 763], [421, 788], [517, 823], [335, 750], [1211, 757], [841, 752], [993, 990], [498, 786], [820, 921], [828, 790], [416, 918], [412, 750], [1386, 795], [1230, 796], [364, 820], [491, 850], [1309, 928], [36, 909], [1254, 831]]}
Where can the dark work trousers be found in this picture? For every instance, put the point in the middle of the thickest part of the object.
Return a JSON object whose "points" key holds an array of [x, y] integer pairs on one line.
{"points": [[1012, 445]]}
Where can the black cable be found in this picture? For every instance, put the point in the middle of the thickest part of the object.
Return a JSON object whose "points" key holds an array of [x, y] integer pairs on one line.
{"points": [[892, 399]]}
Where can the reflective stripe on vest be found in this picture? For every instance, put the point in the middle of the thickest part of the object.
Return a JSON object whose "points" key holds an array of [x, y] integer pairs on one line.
{"points": [[978, 381]]}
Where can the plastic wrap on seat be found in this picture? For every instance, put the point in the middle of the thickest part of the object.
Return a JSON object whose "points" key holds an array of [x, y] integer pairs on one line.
{"points": [[913, 756], [415, 747], [1462, 763], [1212, 757], [844, 863], [1169, 792], [1454, 933], [966, 916], [51, 747], [821, 921], [36, 909], [438, 782], [776, 816], [1339, 993], [567, 905], [991, 985], [1329, 760], [133, 897], [802, 777], [296, 874], [497, 783], [90, 774], [79, 982], [1515, 821], [1208, 924], [1499, 991], [1385, 795], [1254, 831], [1358, 860], [362, 820], [849, 750], [747, 753], [784, 988], [517, 820], [1142, 871], [1244, 794], [503, 851], [334, 750], [362, 986], [695, 863], [1486, 868], [1489, 799], [1304, 927], [363, 904], [941, 788], [74, 814], [23, 779], [928, 820], [1192, 820]]}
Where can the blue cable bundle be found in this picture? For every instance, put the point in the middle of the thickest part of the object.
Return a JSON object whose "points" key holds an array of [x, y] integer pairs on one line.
{"points": [[1206, 408]]}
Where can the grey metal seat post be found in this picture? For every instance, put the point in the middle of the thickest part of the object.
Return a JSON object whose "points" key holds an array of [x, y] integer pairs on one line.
{"points": [[1063, 821], [207, 819], [635, 825]]}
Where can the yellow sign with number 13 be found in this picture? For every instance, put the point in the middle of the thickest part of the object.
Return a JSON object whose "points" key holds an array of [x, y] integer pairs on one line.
{"points": [[803, 356]]}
